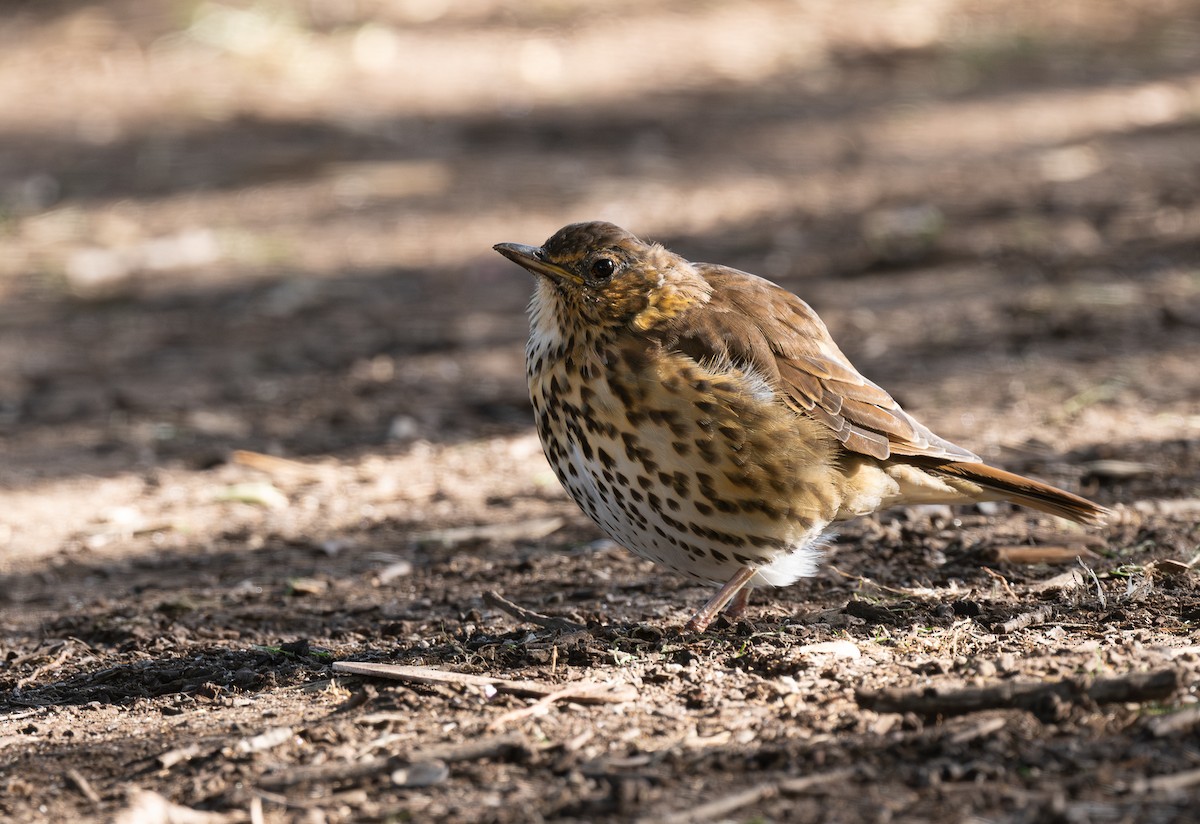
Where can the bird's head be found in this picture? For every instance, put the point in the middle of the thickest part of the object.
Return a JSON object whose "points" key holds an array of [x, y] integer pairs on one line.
{"points": [[600, 275]]}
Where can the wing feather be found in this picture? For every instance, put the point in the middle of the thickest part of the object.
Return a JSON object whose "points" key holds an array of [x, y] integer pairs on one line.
{"points": [[751, 320]]}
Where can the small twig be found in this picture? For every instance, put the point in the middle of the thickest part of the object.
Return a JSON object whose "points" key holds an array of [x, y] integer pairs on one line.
{"points": [[495, 599], [594, 694], [799, 786], [1070, 579], [1026, 619], [170, 758], [1173, 783], [1003, 581], [1044, 700], [66, 652], [1181, 721], [274, 465], [83, 785], [721, 807], [256, 810], [1041, 554], [980, 730], [570, 692], [502, 746]]}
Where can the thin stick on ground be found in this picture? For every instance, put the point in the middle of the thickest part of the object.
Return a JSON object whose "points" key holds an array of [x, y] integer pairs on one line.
{"points": [[1026, 619], [510, 745], [495, 599], [722, 807], [1002, 581], [570, 692], [83, 785], [1044, 700], [582, 692]]}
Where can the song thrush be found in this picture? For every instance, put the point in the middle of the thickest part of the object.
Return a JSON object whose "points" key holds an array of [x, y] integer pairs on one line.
{"points": [[704, 418]]}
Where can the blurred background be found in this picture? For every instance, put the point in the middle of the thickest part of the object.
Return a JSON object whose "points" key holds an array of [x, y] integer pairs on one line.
{"points": [[266, 226]]}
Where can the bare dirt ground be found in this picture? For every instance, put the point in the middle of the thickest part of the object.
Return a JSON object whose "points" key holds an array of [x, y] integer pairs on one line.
{"points": [[262, 408]]}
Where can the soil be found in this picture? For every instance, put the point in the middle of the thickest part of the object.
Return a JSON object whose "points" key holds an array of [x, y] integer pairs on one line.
{"points": [[262, 409]]}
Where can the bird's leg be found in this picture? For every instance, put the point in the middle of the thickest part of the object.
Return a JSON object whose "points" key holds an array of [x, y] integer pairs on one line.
{"points": [[700, 621], [737, 606]]}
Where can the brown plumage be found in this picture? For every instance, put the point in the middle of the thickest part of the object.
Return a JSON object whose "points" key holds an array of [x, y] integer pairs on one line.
{"points": [[706, 420]]}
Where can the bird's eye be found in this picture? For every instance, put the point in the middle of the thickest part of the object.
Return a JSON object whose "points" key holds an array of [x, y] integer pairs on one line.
{"points": [[603, 268]]}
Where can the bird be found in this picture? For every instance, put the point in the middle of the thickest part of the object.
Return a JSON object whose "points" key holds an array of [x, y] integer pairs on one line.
{"points": [[705, 419]]}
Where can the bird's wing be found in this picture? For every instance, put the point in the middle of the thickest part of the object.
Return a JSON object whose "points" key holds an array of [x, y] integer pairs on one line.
{"points": [[751, 320]]}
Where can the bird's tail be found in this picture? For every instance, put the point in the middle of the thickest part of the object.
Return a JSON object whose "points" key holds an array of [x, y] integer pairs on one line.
{"points": [[1021, 490]]}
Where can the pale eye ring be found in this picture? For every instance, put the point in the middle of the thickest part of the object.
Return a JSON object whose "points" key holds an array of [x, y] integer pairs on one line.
{"points": [[602, 268]]}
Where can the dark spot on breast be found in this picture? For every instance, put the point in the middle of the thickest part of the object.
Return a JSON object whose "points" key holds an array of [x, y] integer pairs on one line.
{"points": [[678, 526]]}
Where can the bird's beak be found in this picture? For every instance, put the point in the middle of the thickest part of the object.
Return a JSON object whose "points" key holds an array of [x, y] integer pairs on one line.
{"points": [[531, 258]]}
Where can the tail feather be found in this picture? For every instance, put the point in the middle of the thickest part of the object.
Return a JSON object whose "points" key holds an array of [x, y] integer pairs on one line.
{"points": [[1021, 490]]}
